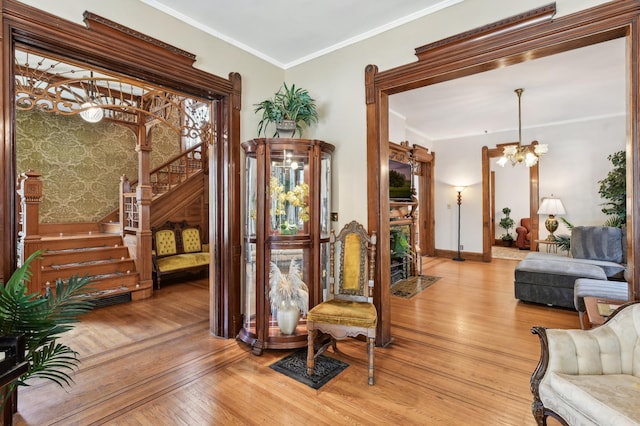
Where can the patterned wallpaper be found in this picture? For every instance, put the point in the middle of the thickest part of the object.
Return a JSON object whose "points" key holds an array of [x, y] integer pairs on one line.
{"points": [[81, 163]]}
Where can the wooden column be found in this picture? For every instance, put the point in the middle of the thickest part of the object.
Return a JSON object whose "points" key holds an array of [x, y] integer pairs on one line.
{"points": [[143, 197]]}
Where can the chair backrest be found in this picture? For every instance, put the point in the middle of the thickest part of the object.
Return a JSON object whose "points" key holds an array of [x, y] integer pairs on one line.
{"points": [[166, 245], [191, 240], [352, 263]]}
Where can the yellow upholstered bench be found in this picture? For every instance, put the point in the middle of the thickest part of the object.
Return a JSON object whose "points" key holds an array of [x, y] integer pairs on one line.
{"points": [[178, 248]]}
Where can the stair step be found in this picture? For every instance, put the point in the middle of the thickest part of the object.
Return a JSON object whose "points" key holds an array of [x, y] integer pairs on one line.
{"points": [[69, 256], [88, 268], [75, 241], [111, 227], [111, 283], [83, 263]]}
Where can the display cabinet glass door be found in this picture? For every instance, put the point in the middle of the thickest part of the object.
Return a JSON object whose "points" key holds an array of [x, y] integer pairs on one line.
{"points": [[287, 226]]}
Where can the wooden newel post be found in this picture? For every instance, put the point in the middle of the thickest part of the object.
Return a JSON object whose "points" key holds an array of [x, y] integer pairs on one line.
{"points": [[29, 190], [30, 193]]}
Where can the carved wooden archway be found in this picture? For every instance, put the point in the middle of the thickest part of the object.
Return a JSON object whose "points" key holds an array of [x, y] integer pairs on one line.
{"points": [[527, 36], [106, 45]]}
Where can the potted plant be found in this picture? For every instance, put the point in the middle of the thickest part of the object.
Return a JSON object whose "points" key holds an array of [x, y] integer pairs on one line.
{"points": [[289, 107], [41, 320], [613, 189], [507, 223], [289, 296]]}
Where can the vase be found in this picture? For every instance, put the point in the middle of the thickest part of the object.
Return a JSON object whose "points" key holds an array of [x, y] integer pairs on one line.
{"points": [[288, 317], [286, 128]]}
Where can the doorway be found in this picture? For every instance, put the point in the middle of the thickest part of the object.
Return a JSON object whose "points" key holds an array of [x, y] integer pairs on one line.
{"points": [[483, 49], [146, 60]]}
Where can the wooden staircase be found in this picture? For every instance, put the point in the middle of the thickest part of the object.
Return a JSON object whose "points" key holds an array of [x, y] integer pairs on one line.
{"points": [[99, 250], [101, 256]]}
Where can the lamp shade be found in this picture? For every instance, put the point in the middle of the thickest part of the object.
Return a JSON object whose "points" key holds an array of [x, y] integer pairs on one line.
{"points": [[92, 113], [551, 206]]}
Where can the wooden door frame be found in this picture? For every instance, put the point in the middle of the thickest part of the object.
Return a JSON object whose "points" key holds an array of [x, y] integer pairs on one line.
{"points": [[530, 35], [104, 44], [488, 208]]}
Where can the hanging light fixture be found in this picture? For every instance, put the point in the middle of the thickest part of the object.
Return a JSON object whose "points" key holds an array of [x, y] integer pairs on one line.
{"points": [[92, 112], [517, 153]]}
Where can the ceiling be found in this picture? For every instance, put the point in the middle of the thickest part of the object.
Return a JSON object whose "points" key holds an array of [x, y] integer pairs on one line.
{"points": [[272, 31], [578, 85], [582, 84]]}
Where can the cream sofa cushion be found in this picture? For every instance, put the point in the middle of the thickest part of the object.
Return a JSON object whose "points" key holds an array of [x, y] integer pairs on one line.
{"points": [[593, 376]]}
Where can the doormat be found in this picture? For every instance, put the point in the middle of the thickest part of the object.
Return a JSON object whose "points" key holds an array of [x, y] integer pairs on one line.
{"points": [[411, 286], [295, 366]]}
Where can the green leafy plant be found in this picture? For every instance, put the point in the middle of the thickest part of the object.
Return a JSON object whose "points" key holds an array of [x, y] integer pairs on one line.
{"points": [[400, 246], [41, 320], [506, 223], [613, 188], [564, 240], [289, 103]]}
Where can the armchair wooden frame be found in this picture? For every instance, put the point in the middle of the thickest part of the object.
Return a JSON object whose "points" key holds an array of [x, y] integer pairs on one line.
{"points": [[349, 312]]}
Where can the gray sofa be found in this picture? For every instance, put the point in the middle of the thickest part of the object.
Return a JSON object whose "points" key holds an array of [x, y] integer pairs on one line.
{"points": [[597, 253]]}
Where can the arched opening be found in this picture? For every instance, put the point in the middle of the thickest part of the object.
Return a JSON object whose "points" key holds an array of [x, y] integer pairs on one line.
{"points": [[105, 45], [514, 40]]}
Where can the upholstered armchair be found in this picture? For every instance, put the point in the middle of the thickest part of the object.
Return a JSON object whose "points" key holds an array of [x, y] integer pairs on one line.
{"points": [[523, 239], [349, 311], [590, 377]]}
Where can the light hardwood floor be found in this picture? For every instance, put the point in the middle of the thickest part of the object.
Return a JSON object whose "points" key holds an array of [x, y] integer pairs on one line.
{"points": [[462, 355]]}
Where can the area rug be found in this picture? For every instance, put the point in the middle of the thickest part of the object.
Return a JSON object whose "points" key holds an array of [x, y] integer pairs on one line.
{"points": [[411, 286], [511, 253], [295, 366]]}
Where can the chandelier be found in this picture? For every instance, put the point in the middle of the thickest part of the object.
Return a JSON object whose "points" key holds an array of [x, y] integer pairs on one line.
{"points": [[517, 153]]}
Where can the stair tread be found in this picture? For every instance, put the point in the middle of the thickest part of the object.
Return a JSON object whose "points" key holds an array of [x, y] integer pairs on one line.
{"points": [[70, 235], [86, 263], [81, 249]]}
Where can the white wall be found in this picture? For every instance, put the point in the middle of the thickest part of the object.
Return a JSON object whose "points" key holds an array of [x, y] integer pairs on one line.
{"points": [[576, 161], [336, 80]]}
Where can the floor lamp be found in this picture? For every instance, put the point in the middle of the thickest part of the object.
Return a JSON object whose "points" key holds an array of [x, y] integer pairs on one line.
{"points": [[459, 189]]}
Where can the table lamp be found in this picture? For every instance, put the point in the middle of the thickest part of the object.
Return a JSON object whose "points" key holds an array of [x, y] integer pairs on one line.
{"points": [[552, 207]]}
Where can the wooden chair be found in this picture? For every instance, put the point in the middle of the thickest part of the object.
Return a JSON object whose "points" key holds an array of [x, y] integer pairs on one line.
{"points": [[349, 312]]}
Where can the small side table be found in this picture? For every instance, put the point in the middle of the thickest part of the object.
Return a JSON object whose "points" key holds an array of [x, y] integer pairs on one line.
{"points": [[593, 313], [552, 246]]}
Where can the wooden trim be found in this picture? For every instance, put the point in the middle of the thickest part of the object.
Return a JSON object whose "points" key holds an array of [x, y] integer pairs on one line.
{"points": [[106, 45], [499, 46], [488, 197]]}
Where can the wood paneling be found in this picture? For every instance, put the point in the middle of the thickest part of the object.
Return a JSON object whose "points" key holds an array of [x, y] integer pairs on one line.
{"points": [[462, 354]]}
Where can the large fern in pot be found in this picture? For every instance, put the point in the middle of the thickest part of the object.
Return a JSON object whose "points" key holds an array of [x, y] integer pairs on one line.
{"points": [[41, 320]]}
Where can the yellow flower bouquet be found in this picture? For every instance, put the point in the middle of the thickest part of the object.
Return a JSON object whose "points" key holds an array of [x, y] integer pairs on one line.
{"points": [[282, 201]]}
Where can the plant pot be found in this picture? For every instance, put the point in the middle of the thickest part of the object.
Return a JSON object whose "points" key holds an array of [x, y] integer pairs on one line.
{"points": [[286, 128], [507, 243], [288, 317]]}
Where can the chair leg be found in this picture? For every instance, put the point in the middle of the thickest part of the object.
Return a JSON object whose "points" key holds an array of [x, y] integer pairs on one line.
{"points": [[371, 343], [311, 362]]}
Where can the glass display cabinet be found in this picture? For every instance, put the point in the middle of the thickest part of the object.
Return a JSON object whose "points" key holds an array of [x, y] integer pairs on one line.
{"points": [[286, 239]]}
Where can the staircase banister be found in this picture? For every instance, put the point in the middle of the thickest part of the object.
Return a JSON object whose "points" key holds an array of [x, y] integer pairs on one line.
{"points": [[176, 157]]}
